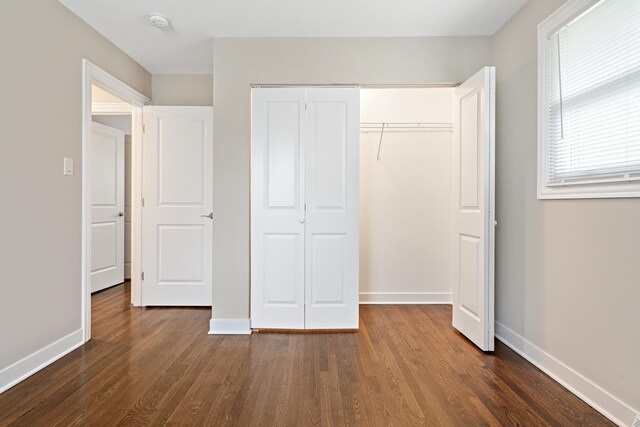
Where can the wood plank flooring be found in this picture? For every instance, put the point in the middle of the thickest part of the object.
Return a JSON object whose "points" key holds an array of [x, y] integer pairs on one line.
{"points": [[406, 367]]}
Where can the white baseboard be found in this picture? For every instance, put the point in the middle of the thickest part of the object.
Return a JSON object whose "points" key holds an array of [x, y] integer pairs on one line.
{"points": [[20, 370], [230, 327], [405, 298], [594, 395]]}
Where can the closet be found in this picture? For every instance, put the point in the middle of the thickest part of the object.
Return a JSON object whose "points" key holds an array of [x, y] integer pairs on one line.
{"points": [[428, 200], [304, 208], [394, 206], [406, 157]]}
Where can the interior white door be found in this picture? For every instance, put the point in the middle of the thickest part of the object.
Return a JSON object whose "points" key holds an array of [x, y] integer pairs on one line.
{"points": [[332, 208], [107, 206], [277, 208], [177, 217], [474, 208]]}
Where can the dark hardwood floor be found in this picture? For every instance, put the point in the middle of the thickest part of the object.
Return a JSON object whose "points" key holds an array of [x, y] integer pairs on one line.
{"points": [[407, 366]]}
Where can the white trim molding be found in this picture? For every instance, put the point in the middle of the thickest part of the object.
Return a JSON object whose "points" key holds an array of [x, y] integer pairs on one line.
{"points": [[594, 395], [405, 298], [230, 327], [29, 365], [111, 109]]}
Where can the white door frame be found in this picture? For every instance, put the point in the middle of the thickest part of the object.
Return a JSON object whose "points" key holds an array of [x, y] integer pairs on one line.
{"points": [[94, 75]]}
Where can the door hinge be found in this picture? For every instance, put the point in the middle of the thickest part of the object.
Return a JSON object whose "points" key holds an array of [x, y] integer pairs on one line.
{"points": [[142, 275], [305, 106], [144, 128], [143, 202]]}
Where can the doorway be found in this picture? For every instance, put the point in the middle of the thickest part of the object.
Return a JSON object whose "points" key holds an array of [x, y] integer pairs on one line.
{"points": [[111, 224], [428, 200], [127, 102], [406, 157]]}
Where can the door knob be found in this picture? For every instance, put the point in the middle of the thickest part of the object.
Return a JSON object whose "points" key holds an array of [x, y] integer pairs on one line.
{"points": [[210, 216], [120, 213], [301, 220]]}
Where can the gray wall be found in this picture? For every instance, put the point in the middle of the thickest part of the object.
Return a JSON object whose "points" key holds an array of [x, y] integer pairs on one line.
{"points": [[183, 89], [42, 45], [239, 62], [568, 271]]}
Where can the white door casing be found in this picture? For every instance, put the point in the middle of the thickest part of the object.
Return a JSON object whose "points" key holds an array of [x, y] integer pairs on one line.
{"points": [[107, 206], [177, 217], [474, 208], [304, 208], [332, 208], [128, 218], [277, 208]]}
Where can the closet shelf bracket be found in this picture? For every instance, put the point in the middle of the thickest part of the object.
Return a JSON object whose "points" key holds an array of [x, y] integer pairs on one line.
{"points": [[380, 143]]}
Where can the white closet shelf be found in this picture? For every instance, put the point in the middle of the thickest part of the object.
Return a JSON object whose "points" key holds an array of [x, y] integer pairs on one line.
{"points": [[382, 127], [367, 127]]}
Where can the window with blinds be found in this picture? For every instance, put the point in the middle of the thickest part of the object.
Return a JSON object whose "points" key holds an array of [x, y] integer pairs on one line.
{"points": [[593, 96]]}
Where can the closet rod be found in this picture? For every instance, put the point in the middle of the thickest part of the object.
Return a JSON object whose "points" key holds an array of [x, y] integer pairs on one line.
{"points": [[405, 127], [397, 125]]}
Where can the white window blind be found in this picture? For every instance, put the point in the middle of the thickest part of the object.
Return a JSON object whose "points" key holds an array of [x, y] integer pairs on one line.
{"points": [[594, 96]]}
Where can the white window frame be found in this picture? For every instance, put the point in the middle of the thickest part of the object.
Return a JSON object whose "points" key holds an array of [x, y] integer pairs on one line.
{"points": [[580, 189]]}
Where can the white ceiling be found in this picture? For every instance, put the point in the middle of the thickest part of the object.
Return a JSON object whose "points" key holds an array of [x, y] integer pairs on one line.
{"points": [[186, 46]]}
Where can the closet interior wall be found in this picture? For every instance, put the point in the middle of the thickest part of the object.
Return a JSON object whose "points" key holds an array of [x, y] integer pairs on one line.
{"points": [[406, 196]]}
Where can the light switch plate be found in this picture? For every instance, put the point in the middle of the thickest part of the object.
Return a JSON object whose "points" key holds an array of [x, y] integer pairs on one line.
{"points": [[68, 166]]}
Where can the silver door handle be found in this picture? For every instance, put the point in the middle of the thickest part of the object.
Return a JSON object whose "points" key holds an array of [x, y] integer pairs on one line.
{"points": [[210, 216], [120, 213]]}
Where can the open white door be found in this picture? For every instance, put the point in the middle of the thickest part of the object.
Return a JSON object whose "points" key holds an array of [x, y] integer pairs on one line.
{"points": [[474, 208], [332, 214], [177, 217], [277, 208], [107, 206]]}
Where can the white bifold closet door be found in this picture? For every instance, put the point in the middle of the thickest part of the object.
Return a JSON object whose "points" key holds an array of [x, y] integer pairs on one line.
{"points": [[277, 208], [332, 208], [304, 208], [474, 208]]}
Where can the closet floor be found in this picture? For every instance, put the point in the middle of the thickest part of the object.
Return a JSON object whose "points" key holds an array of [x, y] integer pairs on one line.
{"points": [[407, 366]]}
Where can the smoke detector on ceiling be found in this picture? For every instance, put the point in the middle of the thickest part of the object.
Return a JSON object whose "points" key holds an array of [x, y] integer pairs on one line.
{"points": [[158, 20]]}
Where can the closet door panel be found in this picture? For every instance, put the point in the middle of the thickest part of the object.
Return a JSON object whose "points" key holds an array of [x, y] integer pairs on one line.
{"points": [[328, 269], [282, 149], [277, 208], [474, 208], [329, 155], [331, 262]]}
